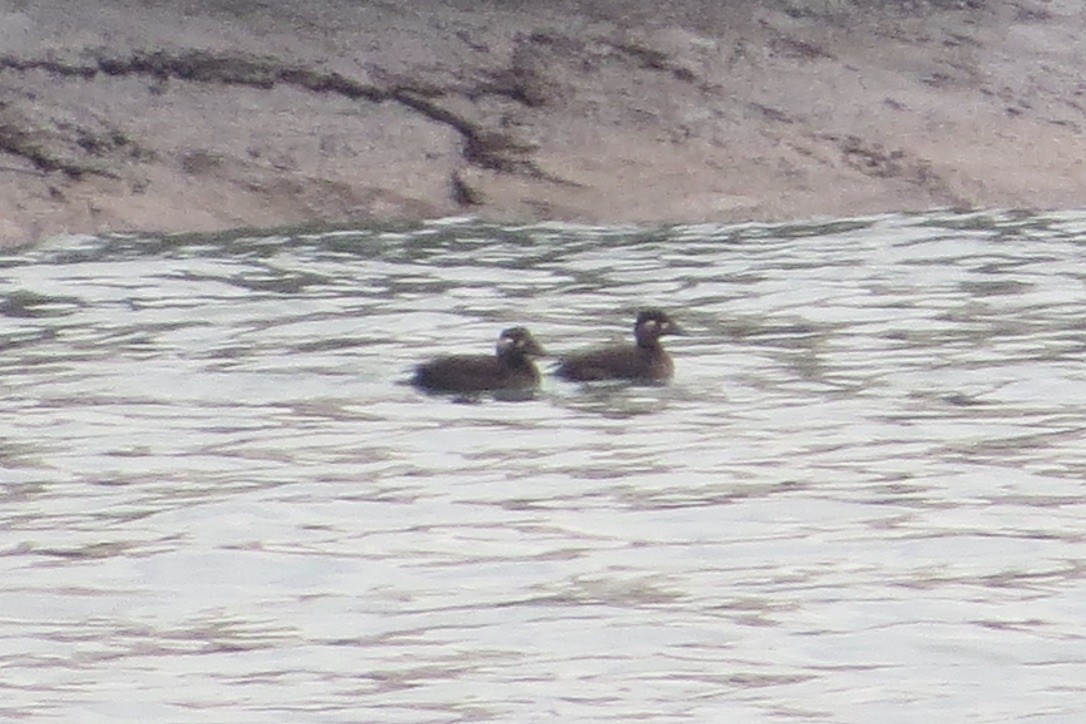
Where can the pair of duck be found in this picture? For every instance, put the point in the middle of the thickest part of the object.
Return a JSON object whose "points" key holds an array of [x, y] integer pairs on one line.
{"points": [[512, 368]]}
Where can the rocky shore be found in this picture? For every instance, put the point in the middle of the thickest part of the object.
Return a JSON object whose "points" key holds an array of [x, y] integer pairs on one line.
{"points": [[198, 115]]}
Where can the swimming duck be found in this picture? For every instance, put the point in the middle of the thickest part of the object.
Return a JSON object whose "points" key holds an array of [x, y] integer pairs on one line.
{"points": [[509, 369], [645, 361]]}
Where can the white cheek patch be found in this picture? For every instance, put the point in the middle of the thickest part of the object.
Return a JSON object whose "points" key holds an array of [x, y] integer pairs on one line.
{"points": [[651, 324]]}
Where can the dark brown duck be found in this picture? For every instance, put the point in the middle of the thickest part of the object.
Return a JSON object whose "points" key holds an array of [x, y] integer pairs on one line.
{"points": [[645, 361], [510, 368]]}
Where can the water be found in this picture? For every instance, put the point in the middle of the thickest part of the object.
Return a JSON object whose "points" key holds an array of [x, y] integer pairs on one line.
{"points": [[860, 500]]}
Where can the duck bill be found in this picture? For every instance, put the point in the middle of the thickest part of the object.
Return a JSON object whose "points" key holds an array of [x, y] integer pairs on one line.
{"points": [[535, 349]]}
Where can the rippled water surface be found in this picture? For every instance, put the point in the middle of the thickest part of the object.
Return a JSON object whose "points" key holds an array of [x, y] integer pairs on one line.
{"points": [[860, 500]]}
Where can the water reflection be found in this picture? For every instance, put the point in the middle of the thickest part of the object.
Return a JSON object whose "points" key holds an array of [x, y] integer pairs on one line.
{"points": [[860, 496]]}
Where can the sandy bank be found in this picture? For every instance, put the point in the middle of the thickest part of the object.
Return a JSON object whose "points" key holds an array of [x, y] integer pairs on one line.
{"points": [[202, 115]]}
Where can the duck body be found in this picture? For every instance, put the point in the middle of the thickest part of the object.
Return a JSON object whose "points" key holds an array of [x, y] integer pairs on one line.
{"points": [[645, 361], [627, 362], [510, 368]]}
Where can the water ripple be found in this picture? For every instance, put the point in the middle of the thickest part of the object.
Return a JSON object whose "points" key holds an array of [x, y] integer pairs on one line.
{"points": [[859, 500]]}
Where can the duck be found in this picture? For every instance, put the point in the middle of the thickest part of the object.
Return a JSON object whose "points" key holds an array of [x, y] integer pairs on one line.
{"points": [[644, 361], [510, 368]]}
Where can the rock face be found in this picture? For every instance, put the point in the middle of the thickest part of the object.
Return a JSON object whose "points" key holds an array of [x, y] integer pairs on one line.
{"points": [[210, 114]]}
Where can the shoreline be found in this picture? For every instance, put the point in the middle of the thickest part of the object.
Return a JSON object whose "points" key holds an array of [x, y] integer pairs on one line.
{"points": [[208, 116]]}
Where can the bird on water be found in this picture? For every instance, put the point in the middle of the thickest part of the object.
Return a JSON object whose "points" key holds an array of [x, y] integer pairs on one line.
{"points": [[644, 361], [510, 368]]}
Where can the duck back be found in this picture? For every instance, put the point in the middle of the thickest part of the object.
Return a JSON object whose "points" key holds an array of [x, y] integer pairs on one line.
{"points": [[629, 362], [475, 373]]}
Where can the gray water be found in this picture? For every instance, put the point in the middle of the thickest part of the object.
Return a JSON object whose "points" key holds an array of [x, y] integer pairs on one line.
{"points": [[860, 500]]}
